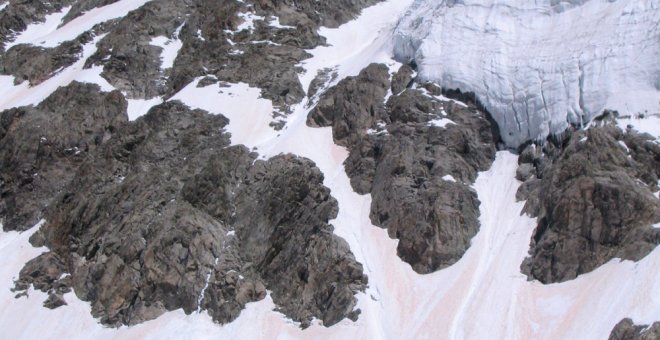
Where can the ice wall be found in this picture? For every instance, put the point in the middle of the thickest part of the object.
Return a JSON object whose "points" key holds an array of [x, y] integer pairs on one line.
{"points": [[540, 65]]}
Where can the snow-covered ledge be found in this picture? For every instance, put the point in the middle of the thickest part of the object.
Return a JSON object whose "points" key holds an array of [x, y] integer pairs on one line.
{"points": [[541, 65]]}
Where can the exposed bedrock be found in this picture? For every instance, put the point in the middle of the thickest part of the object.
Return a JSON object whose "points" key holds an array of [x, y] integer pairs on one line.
{"points": [[627, 330], [260, 43], [592, 192], [263, 54], [40, 148], [161, 214], [417, 155]]}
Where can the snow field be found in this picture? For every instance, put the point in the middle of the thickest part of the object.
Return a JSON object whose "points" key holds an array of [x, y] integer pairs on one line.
{"points": [[482, 296]]}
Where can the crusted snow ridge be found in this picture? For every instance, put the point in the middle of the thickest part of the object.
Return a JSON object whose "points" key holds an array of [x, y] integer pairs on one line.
{"points": [[539, 66]]}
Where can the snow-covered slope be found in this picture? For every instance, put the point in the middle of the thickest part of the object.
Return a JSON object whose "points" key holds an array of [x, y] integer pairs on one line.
{"points": [[484, 295], [539, 66]]}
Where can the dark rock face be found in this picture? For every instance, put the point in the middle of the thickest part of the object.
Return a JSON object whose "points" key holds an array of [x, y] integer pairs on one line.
{"points": [[593, 199], [287, 242], [162, 214], [627, 330], [402, 160], [36, 64], [264, 56], [130, 63], [401, 79], [40, 148]]}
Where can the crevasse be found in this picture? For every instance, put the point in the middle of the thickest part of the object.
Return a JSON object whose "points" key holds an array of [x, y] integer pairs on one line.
{"points": [[538, 66]]}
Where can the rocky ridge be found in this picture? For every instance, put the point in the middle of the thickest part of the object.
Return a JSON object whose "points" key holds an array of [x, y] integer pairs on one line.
{"points": [[160, 214], [592, 192], [416, 153], [259, 43]]}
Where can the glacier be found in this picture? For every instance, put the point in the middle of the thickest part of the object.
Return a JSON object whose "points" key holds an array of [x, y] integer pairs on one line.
{"points": [[539, 66]]}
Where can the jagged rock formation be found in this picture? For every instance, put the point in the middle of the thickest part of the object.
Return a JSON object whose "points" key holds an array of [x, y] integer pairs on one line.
{"points": [[416, 155], [627, 330], [527, 63], [592, 194], [36, 64], [162, 214], [40, 148], [257, 43]]}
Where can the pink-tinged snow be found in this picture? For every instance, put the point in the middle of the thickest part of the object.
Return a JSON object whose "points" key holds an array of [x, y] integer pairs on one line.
{"points": [[356, 44], [482, 296], [248, 113], [26, 318], [48, 34]]}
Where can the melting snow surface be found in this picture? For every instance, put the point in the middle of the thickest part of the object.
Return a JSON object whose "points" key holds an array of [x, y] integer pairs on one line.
{"points": [[483, 295]]}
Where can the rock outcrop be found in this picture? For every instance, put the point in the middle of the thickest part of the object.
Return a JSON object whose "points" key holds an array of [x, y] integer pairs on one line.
{"points": [[592, 192], [417, 154], [260, 43], [161, 214], [41, 147], [627, 330]]}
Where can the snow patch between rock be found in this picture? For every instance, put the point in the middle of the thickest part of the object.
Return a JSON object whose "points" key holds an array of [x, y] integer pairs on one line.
{"points": [[170, 48], [48, 34], [249, 114]]}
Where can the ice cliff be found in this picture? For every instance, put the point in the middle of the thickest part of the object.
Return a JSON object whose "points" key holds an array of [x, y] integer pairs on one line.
{"points": [[540, 65]]}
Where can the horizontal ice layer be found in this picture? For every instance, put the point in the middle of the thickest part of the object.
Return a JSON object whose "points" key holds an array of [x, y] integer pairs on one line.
{"points": [[541, 65]]}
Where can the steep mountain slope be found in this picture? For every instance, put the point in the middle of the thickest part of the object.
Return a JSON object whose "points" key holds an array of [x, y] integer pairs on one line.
{"points": [[224, 208]]}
